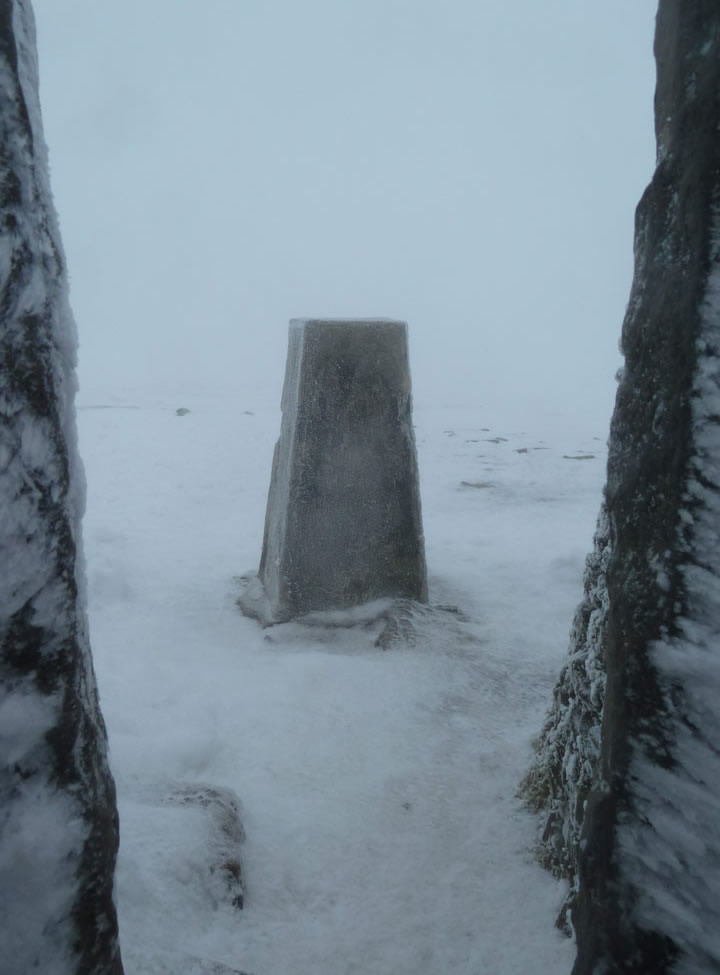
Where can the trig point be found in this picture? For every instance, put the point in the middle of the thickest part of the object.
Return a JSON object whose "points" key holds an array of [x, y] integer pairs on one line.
{"points": [[343, 523]]}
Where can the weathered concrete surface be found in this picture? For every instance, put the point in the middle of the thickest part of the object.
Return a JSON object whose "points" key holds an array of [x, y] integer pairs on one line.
{"points": [[58, 819], [630, 771], [343, 523]]}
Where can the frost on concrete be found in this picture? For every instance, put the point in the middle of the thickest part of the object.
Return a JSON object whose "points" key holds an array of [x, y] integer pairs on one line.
{"points": [[343, 524], [637, 830], [58, 823]]}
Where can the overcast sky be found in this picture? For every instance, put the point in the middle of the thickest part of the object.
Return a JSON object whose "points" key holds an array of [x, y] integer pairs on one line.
{"points": [[470, 166]]}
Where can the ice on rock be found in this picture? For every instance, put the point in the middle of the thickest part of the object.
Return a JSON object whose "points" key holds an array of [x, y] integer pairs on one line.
{"points": [[58, 819], [628, 765]]}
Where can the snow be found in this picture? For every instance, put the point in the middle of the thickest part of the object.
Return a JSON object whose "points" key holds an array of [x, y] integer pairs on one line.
{"points": [[40, 826], [42, 833], [378, 786]]}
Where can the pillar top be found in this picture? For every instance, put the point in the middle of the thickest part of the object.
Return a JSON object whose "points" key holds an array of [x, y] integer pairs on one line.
{"points": [[301, 323]]}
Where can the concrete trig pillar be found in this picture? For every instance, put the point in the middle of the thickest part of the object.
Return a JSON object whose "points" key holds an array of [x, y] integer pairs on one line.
{"points": [[343, 523]]}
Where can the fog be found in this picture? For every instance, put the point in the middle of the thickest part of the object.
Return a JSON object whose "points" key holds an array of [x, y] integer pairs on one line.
{"points": [[472, 168]]}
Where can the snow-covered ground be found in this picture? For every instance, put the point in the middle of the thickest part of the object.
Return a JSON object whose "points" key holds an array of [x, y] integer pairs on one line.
{"points": [[384, 836]]}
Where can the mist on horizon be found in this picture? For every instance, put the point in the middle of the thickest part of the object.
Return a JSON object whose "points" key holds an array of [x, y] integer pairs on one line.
{"points": [[472, 171]]}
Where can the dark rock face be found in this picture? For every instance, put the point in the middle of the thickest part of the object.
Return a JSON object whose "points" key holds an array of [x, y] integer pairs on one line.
{"points": [[639, 832], [58, 820], [343, 523]]}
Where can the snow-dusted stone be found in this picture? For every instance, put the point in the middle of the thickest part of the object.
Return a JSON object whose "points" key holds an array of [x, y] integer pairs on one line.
{"points": [[58, 819], [628, 766], [223, 809], [343, 523]]}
